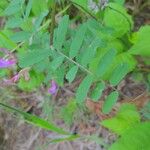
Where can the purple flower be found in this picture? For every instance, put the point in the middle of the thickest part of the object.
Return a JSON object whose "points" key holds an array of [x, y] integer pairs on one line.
{"points": [[53, 89], [4, 63]]}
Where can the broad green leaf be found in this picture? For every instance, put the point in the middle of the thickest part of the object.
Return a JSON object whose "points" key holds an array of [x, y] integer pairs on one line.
{"points": [[119, 73], [135, 138], [71, 74], [20, 36], [77, 41], [14, 7], [141, 46], [82, 3], [83, 89], [33, 57], [117, 18], [61, 32], [97, 92], [105, 62], [126, 117], [57, 62], [39, 6], [36, 120], [110, 101]]}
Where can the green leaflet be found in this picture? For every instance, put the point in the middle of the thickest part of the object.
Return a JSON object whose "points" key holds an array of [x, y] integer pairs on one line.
{"points": [[28, 9], [105, 62], [20, 36], [14, 22], [42, 65], [61, 32], [118, 73], [136, 138], [39, 20], [110, 101], [141, 46], [97, 92], [36, 120], [91, 51], [56, 62], [60, 74], [71, 74], [33, 57], [77, 41], [13, 7], [83, 89], [127, 117]]}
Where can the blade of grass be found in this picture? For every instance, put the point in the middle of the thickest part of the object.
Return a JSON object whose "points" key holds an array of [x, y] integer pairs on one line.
{"points": [[39, 122]]}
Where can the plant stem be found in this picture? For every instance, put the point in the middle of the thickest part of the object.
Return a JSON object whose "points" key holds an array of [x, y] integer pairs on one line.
{"points": [[53, 22]]}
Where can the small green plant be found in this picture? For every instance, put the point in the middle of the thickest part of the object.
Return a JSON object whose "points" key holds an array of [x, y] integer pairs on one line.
{"points": [[134, 133], [102, 49]]}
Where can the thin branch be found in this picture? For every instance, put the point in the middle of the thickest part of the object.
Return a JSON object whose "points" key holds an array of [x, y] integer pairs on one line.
{"points": [[86, 70]]}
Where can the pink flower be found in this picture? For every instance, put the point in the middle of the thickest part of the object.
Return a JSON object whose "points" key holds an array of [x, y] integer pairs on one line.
{"points": [[4, 63], [15, 78], [53, 89]]}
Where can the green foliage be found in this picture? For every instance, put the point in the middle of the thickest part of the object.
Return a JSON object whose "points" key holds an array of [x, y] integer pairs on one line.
{"points": [[61, 32], [79, 37], [141, 44], [68, 112], [83, 3], [105, 62], [117, 18], [110, 102], [36, 120], [135, 138], [3, 5], [83, 89], [118, 73], [97, 91], [126, 117], [38, 6], [33, 57], [101, 53], [71, 74], [14, 7], [35, 81]]}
